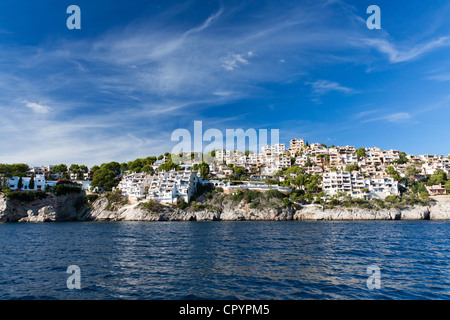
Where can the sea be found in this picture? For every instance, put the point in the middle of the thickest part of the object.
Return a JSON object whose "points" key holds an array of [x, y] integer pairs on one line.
{"points": [[251, 260]]}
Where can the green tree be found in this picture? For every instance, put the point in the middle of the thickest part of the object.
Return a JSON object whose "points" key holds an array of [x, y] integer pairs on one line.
{"points": [[20, 183], [403, 159], [150, 160], [74, 167], [412, 172], [204, 170], [124, 167], [106, 175], [136, 165], [418, 188], [447, 187], [14, 170], [148, 169], [113, 166], [104, 178], [393, 173], [438, 177], [361, 153], [392, 199], [181, 204], [31, 184], [308, 163], [167, 166], [60, 169], [352, 167]]}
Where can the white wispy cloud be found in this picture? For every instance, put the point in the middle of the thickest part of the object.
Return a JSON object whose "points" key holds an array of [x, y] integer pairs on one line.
{"points": [[38, 108], [403, 53], [396, 117], [321, 87], [232, 61], [441, 77]]}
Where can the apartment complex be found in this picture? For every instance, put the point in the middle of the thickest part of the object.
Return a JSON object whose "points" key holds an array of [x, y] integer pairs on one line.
{"points": [[169, 187], [356, 185], [40, 182]]}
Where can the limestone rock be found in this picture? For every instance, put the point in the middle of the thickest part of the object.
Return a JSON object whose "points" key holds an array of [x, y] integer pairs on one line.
{"points": [[440, 210]]}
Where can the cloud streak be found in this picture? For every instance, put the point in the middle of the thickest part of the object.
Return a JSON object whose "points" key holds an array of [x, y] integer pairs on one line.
{"points": [[321, 87], [37, 108], [398, 54]]}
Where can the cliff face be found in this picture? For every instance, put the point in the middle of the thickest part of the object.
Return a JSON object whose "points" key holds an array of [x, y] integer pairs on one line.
{"points": [[229, 212], [73, 207], [242, 212], [53, 208], [441, 210], [315, 213]]}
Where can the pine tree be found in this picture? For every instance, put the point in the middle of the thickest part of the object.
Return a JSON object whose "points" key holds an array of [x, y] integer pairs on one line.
{"points": [[31, 184]]}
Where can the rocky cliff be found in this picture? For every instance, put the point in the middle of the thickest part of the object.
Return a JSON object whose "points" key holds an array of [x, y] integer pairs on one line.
{"points": [[229, 212], [53, 208], [242, 212], [73, 207]]}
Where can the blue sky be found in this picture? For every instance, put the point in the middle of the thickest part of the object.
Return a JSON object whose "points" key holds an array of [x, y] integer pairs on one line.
{"points": [[137, 70]]}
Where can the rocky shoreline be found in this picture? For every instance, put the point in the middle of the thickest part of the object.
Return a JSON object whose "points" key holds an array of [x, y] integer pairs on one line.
{"points": [[73, 207]]}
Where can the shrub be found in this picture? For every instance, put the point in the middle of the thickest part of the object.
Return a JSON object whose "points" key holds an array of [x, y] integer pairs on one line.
{"points": [[26, 196], [392, 199], [115, 197], [181, 204], [91, 197], [254, 205], [152, 206], [62, 189], [238, 196], [274, 194]]}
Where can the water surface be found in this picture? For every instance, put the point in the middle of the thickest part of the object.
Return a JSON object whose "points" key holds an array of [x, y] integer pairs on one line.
{"points": [[226, 260]]}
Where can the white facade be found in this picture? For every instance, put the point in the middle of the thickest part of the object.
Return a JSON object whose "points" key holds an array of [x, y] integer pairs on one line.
{"points": [[39, 183], [353, 184], [296, 144], [134, 185], [275, 149], [167, 187]]}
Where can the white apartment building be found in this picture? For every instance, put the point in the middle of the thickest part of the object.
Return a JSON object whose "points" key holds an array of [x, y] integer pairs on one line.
{"points": [[296, 144], [381, 187], [275, 149], [353, 184], [39, 183], [135, 185], [42, 170], [167, 187]]}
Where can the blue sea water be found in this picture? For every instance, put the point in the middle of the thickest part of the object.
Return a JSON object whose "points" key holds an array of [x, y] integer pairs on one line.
{"points": [[288, 260]]}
